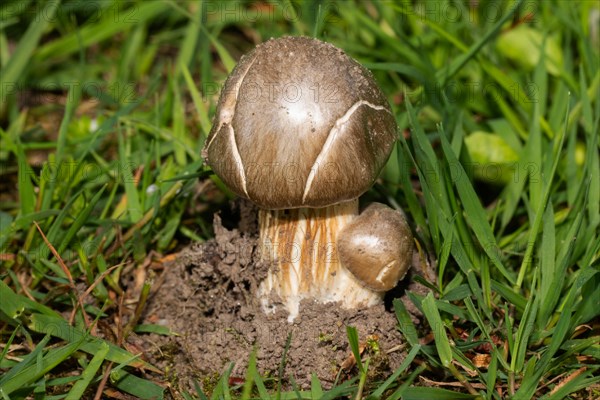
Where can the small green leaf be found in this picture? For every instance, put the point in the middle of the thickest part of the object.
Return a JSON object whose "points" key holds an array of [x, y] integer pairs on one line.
{"points": [[523, 46], [493, 159]]}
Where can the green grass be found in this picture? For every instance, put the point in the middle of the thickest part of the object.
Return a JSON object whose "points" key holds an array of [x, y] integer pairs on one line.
{"points": [[105, 107]]}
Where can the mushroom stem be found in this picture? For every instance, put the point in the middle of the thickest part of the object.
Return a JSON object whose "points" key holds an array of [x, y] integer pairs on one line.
{"points": [[301, 245]]}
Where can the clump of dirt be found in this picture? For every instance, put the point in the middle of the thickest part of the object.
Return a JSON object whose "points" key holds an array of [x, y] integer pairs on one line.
{"points": [[207, 297]]}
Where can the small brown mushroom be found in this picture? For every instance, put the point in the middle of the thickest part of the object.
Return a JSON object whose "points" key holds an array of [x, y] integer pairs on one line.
{"points": [[376, 247], [302, 130]]}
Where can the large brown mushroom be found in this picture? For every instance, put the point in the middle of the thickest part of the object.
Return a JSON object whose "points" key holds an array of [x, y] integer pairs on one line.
{"points": [[302, 130]]}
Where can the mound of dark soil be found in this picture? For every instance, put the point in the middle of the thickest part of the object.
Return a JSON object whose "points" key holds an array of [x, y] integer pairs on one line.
{"points": [[207, 298]]}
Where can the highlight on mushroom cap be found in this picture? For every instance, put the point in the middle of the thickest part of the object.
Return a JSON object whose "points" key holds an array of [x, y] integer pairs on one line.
{"points": [[300, 124]]}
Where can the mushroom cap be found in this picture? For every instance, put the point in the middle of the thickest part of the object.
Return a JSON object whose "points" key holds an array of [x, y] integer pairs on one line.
{"points": [[300, 124], [376, 247]]}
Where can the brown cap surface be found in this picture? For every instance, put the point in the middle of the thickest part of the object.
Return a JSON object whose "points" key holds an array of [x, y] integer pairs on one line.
{"points": [[300, 124], [376, 247]]}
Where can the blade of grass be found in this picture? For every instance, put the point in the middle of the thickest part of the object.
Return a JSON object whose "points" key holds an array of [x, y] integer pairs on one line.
{"points": [[392, 378], [294, 17], [28, 360], [109, 124], [549, 277], [354, 346], [133, 204], [222, 389], [88, 374], [55, 233], [9, 343], [201, 109], [226, 58], [13, 304], [444, 74], [280, 375], [526, 326], [45, 363], [437, 326], [81, 219], [589, 307], [20, 58], [442, 343], [541, 205], [252, 376], [187, 50], [408, 329], [561, 331], [509, 295], [48, 185], [341, 390], [428, 169], [316, 390], [66, 271], [432, 393], [25, 174], [131, 52], [138, 387], [59, 328], [111, 23], [261, 388], [474, 210], [399, 393], [295, 394], [573, 383], [178, 129], [362, 381], [443, 259], [592, 162], [492, 375]]}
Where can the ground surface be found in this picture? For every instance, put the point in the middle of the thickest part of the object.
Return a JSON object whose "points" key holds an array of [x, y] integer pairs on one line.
{"points": [[206, 297]]}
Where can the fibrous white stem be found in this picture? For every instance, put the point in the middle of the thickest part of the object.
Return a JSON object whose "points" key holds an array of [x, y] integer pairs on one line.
{"points": [[301, 245]]}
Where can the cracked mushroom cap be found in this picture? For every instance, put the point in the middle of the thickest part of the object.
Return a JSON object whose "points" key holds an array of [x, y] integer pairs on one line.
{"points": [[300, 124], [376, 247]]}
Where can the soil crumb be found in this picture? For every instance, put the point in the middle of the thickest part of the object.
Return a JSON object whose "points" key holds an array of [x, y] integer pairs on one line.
{"points": [[206, 296]]}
